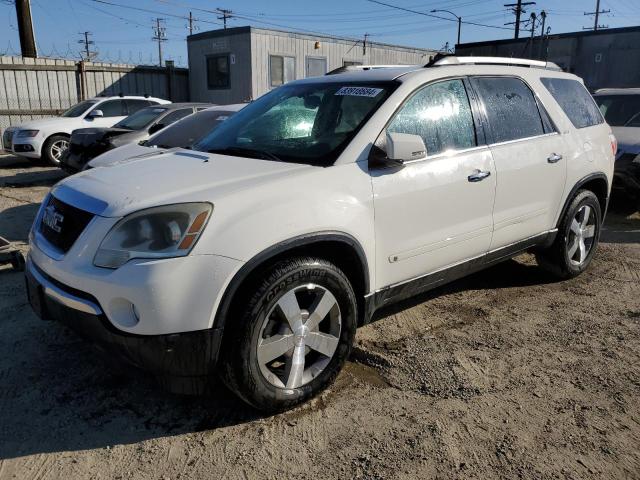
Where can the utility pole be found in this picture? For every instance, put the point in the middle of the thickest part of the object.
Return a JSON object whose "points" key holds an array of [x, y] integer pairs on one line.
{"points": [[518, 9], [533, 19], [597, 14], [543, 14], [190, 23], [160, 35], [25, 29], [225, 14], [364, 44], [88, 54]]}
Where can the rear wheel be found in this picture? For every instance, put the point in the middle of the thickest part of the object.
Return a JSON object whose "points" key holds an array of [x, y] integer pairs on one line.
{"points": [[577, 239], [292, 336], [54, 148]]}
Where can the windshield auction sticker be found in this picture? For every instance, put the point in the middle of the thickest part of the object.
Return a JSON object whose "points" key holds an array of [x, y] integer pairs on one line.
{"points": [[359, 91]]}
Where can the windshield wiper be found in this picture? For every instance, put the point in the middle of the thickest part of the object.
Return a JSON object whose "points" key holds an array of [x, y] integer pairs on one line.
{"points": [[246, 152]]}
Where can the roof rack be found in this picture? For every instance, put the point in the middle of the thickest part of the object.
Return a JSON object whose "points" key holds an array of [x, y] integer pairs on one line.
{"points": [[355, 68], [446, 60]]}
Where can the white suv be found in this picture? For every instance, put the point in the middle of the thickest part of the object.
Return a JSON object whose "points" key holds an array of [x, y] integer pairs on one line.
{"points": [[48, 138], [265, 246]]}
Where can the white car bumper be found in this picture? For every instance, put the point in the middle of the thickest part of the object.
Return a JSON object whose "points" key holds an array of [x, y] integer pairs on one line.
{"points": [[30, 147], [142, 297]]}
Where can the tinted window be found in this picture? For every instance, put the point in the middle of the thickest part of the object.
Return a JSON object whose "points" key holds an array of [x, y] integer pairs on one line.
{"points": [[440, 113], [619, 110], [217, 71], [141, 118], [511, 108], [188, 131], [112, 108], [308, 123], [175, 116], [281, 69], [575, 100], [79, 109], [134, 105]]}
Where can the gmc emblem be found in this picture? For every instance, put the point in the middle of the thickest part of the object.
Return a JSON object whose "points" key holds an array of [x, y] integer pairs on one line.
{"points": [[53, 219]]}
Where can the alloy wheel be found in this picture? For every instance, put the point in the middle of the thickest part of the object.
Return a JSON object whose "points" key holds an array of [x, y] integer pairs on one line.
{"points": [[58, 148], [581, 235], [299, 336]]}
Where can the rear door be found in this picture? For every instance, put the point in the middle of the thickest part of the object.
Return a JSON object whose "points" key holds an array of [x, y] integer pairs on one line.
{"points": [[433, 213], [530, 159]]}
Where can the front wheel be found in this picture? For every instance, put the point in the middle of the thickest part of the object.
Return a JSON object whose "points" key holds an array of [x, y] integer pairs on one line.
{"points": [[292, 335], [54, 148], [577, 239]]}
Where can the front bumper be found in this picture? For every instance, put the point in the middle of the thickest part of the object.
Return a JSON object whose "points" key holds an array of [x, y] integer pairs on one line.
{"points": [[182, 362], [27, 147]]}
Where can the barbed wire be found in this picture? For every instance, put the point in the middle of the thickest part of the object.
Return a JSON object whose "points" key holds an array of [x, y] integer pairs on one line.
{"points": [[104, 56]]}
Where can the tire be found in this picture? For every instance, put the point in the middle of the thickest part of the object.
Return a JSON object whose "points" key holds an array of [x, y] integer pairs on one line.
{"points": [[566, 257], [17, 261], [297, 285], [54, 148]]}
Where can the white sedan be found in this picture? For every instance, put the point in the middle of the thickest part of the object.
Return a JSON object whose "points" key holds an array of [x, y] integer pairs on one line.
{"points": [[48, 138]]}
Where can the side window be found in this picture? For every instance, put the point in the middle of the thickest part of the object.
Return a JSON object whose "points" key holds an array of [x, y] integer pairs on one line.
{"points": [[112, 108], [175, 116], [134, 105], [511, 108], [218, 76], [575, 101], [441, 114], [281, 70]]}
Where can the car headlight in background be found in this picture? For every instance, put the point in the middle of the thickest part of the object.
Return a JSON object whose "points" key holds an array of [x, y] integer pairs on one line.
{"points": [[27, 133], [158, 232]]}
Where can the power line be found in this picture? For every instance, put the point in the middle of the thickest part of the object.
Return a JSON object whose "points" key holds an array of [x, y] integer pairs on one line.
{"points": [[437, 16]]}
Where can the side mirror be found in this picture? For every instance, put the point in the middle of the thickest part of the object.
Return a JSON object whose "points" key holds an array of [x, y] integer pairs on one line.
{"points": [[156, 128], [404, 147], [96, 114]]}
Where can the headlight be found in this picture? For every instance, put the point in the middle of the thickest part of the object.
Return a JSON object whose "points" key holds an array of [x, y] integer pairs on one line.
{"points": [[159, 232], [27, 133]]}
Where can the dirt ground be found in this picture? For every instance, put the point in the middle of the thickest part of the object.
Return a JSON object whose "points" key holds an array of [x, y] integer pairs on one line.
{"points": [[506, 374]]}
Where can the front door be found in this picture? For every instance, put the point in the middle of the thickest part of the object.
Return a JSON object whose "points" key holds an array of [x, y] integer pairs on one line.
{"points": [[436, 212], [530, 160]]}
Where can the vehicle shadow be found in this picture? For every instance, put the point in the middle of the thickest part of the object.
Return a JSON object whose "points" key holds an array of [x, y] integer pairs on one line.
{"points": [[16, 222], [60, 394], [39, 178]]}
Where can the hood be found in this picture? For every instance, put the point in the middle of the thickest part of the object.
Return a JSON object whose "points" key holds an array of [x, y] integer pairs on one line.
{"points": [[122, 154], [88, 136], [171, 176], [628, 139], [58, 122], [128, 136]]}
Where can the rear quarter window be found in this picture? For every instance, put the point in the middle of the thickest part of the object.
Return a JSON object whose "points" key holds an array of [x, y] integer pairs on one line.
{"points": [[576, 102]]}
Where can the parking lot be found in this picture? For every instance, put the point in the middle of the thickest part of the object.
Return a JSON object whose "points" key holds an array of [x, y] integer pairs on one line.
{"points": [[505, 374]]}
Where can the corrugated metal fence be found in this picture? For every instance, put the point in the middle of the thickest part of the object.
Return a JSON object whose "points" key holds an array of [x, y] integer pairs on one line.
{"points": [[43, 87]]}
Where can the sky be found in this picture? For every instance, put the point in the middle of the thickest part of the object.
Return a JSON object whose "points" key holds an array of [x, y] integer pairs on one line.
{"points": [[122, 29]]}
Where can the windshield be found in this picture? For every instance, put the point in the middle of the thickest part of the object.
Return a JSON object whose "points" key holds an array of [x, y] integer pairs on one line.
{"points": [[306, 123], [189, 130], [79, 108], [620, 110], [141, 118]]}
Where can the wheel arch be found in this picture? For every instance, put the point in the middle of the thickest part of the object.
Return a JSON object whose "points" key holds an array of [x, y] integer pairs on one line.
{"points": [[46, 140], [338, 247], [596, 182]]}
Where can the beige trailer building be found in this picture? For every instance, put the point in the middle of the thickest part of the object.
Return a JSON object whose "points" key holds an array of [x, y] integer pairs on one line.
{"points": [[240, 64]]}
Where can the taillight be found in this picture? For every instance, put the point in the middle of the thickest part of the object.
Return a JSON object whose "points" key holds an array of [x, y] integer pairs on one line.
{"points": [[614, 144]]}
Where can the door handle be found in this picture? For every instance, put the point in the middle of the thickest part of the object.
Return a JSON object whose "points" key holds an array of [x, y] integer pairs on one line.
{"points": [[478, 176], [554, 158]]}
